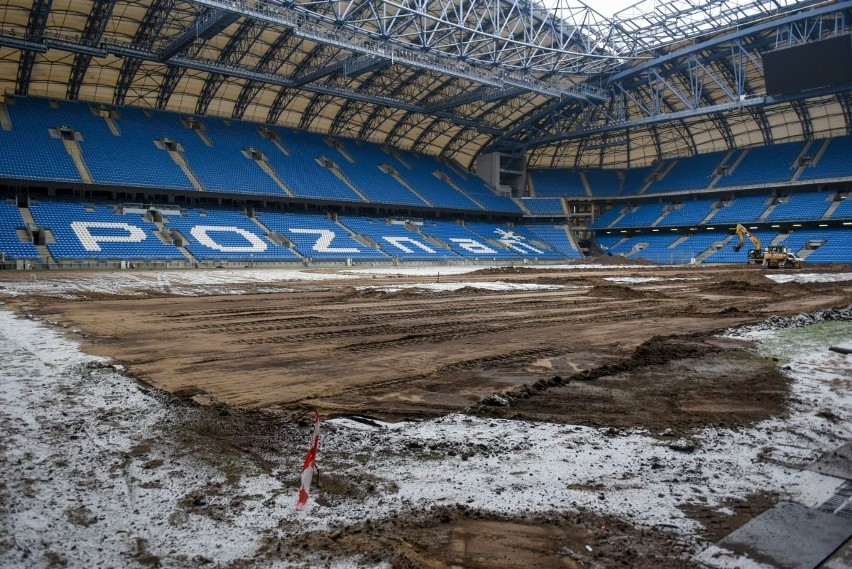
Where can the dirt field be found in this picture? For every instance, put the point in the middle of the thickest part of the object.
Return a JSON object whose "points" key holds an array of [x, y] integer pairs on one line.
{"points": [[557, 346], [349, 350]]}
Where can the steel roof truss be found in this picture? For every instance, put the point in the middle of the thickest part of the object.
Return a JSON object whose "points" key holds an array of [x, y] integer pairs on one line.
{"points": [[92, 32], [34, 33]]}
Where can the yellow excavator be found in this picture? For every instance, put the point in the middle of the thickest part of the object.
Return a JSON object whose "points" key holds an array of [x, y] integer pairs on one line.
{"points": [[773, 257]]}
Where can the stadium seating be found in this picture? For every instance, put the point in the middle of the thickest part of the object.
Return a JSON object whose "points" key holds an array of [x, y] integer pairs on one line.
{"points": [[376, 185], [514, 239], [690, 212], [837, 247], [844, 210], [133, 159], [609, 216], [29, 152], [801, 206], [99, 231], [219, 235], [465, 242], [395, 240], [603, 182], [317, 237], [223, 166], [419, 174], [556, 182], [640, 216], [834, 163], [301, 172], [742, 209], [764, 165], [544, 206], [10, 244], [473, 186], [691, 173], [635, 179], [553, 235]]}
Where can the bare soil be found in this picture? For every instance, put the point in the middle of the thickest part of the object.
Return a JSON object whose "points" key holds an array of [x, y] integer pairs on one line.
{"points": [[594, 353], [449, 537], [413, 354]]}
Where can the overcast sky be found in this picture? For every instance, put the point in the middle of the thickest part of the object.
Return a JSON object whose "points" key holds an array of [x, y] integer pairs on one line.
{"points": [[608, 7]]}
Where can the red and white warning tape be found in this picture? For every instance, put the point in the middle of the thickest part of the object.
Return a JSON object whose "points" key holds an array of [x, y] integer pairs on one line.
{"points": [[310, 465]]}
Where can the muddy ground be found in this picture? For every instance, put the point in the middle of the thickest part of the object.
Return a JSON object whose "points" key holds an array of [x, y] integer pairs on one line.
{"points": [[593, 352]]}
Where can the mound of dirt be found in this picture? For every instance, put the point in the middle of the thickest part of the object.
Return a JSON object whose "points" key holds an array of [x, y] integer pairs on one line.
{"points": [[610, 260], [689, 382], [735, 286], [609, 290], [457, 536], [508, 271], [472, 291]]}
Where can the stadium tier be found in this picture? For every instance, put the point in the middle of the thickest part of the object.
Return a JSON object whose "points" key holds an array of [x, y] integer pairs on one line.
{"points": [[91, 146], [800, 206], [516, 241], [11, 223], [557, 182], [89, 231], [156, 149], [544, 206], [693, 173], [834, 162], [690, 212], [641, 215], [318, 237], [214, 235], [465, 242], [86, 231], [764, 165], [554, 235], [397, 240]]}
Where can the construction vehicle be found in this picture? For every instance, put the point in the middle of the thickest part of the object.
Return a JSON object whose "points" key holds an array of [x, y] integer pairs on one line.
{"points": [[773, 257]]}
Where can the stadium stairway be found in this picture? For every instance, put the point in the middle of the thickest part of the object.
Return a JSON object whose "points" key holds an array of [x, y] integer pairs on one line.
{"points": [[5, 121], [180, 160], [270, 171], [73, 150]]}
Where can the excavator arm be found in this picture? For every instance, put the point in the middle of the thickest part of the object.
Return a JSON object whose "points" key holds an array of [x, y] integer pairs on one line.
{"points": [[742, 233]]}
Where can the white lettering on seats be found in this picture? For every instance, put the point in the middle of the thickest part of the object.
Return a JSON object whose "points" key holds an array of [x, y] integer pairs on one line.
{"points": [[398, 243], [201, 234], [323, 242], [90, 242], [515, 242], [472, 246]]}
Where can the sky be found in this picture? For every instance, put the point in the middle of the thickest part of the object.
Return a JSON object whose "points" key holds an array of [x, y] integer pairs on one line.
{"points": [[609, 7]]}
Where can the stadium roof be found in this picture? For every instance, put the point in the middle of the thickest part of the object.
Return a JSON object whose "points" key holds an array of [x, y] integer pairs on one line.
{"points": [[561, 83]]}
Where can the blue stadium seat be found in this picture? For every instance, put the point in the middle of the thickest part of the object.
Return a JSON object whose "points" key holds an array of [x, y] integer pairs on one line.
{"points": [[801, 206], [544, 206], [99, 231], [10, 244], [317, 237], [690, 212], [640, 216], [396, 241], [29, 152], [557, 182], [553, 235], [834, 163], [691, 173], [514, 239], [742, 209], [465, 242], [220, 235], [764, 165]]}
